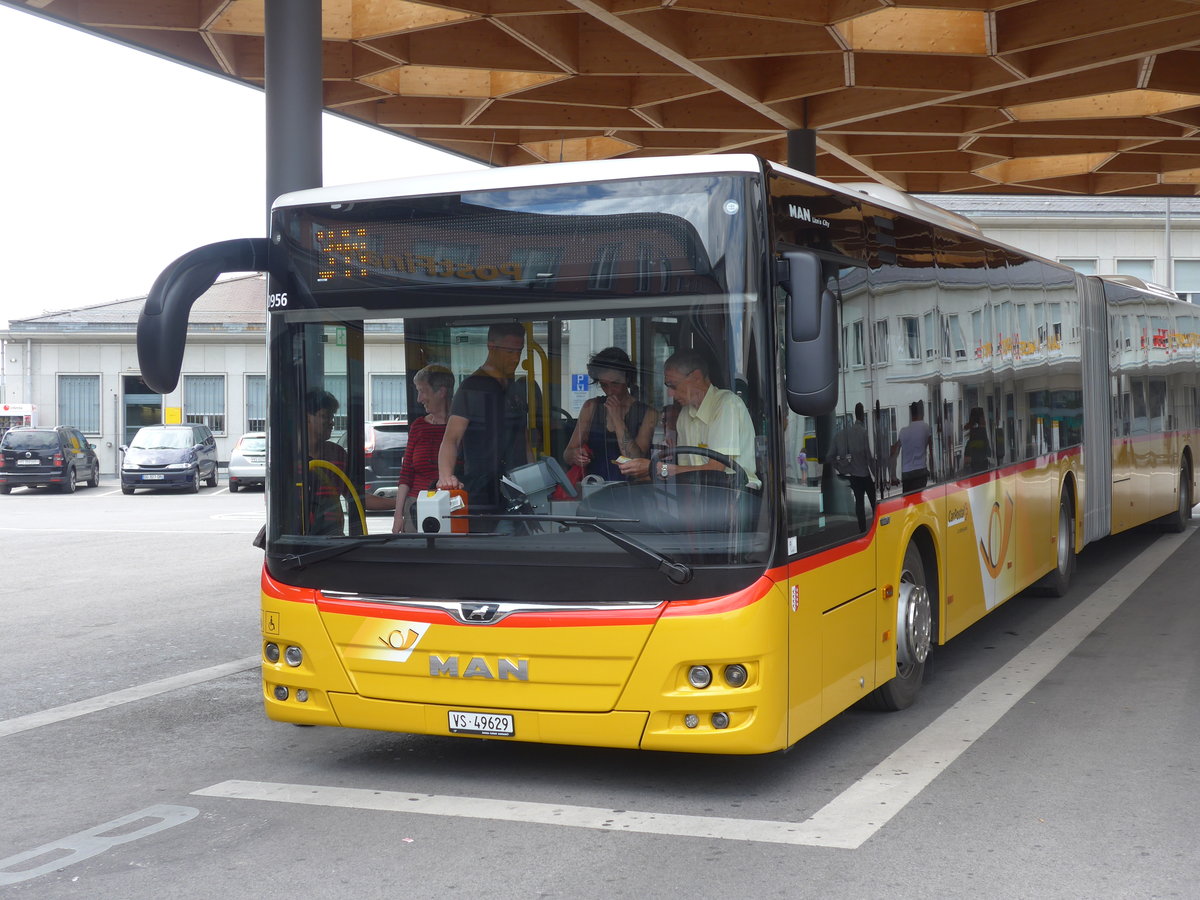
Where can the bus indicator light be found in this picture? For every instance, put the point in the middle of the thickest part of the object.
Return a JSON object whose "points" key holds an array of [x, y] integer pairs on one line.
{"points": [[720, 720], [691, 720]]}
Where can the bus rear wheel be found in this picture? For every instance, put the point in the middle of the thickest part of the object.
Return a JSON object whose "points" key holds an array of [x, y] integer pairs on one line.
{"points": [[1178, 520], [914, 634], [1059, 580]]}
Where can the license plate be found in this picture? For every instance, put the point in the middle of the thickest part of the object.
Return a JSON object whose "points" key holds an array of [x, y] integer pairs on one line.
{"points": [[28, 462], [498, 725], [155, 477]]}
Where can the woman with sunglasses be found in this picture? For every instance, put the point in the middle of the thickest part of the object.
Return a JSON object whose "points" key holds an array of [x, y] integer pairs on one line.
{"points": [[615, 425]]}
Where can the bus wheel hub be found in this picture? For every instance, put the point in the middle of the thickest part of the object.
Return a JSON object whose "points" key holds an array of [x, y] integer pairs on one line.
{"points": [[914, 624]]}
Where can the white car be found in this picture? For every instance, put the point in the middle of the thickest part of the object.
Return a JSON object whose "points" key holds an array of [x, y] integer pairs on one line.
{"points": [[248, 461]]}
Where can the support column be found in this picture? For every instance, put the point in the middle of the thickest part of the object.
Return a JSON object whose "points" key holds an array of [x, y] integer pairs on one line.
{"points": [[802, 150], [293, 93]]}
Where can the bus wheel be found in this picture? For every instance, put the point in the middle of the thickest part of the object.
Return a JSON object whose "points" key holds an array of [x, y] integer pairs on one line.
{"points": [[914, 633], [1178, 520], [1056, 583]]}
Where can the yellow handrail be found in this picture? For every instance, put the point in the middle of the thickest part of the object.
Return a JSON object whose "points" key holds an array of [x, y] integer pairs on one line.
{"points": [[325, 464]]}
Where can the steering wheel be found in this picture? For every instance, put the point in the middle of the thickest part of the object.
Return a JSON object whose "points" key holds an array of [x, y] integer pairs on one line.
{"points": [[741, 476], [325, 464]]}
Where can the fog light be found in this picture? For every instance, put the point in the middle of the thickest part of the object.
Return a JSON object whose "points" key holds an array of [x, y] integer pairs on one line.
{"points": [[720, 720], [699, 676], [281, 692], [271, 652], [293, 656], [302, 695], [736, 675], [691, 720]]}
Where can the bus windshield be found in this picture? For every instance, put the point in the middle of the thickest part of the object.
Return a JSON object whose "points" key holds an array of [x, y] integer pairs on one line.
{"points": [[554, 350]]}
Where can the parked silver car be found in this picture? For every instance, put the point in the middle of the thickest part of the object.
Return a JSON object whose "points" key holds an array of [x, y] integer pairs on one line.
{"points": [[248, 461]]}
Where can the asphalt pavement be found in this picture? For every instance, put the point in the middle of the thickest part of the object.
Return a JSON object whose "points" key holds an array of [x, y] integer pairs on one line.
{"points": [[1051, 753]]}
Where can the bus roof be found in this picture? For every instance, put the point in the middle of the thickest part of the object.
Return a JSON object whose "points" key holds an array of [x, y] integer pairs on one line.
{"points": [[540, 175]]}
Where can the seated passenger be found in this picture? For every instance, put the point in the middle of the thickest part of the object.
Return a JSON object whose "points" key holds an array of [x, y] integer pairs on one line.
{"points": [[709, 417], [612, 426]]}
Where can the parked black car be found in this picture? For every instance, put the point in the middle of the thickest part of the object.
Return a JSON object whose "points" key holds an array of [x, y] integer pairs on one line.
{"points": [[47, 457], [169, 457]]}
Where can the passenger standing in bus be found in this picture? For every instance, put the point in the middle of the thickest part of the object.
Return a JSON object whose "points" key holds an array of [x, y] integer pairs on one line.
{"points": [[976, 449], [852, 457], [915, 446], [709, 417], [419, 471], [487, 423], [615, 425]]}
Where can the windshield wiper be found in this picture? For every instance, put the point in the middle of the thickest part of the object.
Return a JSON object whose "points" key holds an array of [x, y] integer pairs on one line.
{"points": [[676, 572], [299, 560]]}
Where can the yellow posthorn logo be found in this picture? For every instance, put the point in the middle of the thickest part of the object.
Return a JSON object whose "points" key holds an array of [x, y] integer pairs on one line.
{"points": [[400, 638], [999, 528]]}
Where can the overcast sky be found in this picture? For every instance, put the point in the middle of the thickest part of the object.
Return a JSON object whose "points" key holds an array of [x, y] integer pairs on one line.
{"points": [[114, 162]]}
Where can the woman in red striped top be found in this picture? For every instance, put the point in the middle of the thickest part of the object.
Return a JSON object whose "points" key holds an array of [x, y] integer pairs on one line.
{"points": [[419, 471]]}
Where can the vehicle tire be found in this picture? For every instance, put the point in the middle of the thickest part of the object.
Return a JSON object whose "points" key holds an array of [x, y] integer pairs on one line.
{"points": [[233, 486], [1059, 580], [914, 629], [69, 486], [211, 480], [126, 489], [1178, 520], [5, 489], [194, 487], [94, 478]]}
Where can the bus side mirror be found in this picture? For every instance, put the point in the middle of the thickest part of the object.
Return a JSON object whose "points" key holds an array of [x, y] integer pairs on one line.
{"points": [[162, 325], [811, 338]]}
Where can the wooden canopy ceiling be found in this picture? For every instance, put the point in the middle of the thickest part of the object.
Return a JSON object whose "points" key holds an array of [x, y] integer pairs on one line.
{"points": [[1094, 97]]}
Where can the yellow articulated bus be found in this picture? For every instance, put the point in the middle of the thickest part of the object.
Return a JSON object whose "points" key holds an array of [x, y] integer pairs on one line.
{"points": [[841, 427]]}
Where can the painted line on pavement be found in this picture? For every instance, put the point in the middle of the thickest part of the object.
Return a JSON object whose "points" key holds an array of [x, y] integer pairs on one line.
{"points": [[76, 848], [129, 695], [847, 821]]}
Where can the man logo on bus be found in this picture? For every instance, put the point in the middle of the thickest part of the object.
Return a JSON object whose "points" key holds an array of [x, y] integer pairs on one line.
{"points": [[999, 532]]}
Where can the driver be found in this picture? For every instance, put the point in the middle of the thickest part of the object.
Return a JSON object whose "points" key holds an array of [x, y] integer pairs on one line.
{"points": [[709, 417]]}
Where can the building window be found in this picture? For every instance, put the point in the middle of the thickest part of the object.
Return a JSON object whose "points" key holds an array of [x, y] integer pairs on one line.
{"points": [[388, 397], [881, 342], [256, 402], [1086, 266], [79, 402], [204, 401], [1138, 268], [912, 336], [1187, 279]]}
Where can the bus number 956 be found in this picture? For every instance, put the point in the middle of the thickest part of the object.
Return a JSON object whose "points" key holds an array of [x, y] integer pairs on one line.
{"points": [[277, 301]]}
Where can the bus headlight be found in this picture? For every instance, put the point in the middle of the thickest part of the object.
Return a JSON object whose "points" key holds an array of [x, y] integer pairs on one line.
{"points": [[720, 720], [271, 652], [736, 675], [699, 677], [281, 692], [293, 656]]}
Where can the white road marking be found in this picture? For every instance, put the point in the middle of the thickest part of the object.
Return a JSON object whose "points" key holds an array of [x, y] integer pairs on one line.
{"points": [[128, 695], [847, 821], [85, 844]]}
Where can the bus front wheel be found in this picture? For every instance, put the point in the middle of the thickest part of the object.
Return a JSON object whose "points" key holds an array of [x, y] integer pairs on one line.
{"points": [[914, 634]]}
